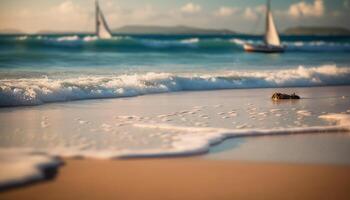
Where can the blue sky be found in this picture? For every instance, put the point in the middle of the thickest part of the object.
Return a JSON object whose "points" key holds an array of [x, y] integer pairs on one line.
{"points": [[239, 15]]}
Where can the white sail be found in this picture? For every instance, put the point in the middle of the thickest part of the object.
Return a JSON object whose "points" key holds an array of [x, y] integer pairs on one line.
{"points": [[102, 29], [271, 35]]}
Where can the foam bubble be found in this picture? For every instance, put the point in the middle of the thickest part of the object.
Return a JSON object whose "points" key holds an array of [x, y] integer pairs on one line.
{"points": [[304, 113]]}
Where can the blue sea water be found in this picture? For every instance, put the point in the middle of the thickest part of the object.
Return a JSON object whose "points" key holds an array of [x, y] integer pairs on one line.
{"points": [[35, 69]]}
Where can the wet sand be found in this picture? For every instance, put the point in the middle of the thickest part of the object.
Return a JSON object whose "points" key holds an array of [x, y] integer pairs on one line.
{"points": [[70, 127], [189, 178]]}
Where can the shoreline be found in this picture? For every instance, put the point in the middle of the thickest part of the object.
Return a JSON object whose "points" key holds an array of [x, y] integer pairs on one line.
{"points": [[286, 89], [183, 122], [187, 178]]}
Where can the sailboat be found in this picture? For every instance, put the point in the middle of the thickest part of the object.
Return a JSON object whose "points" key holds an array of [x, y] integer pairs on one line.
{"points": [[272, 43], [102, 29]]}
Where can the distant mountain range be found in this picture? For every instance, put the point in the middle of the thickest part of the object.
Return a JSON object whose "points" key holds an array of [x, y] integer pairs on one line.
{"points": [[140, 29], [170, 30], [317, 31], [51, 32], [10, 31]]}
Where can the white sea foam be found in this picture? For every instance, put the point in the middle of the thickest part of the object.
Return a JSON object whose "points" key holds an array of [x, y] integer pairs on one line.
{"points": [[19, 166], [304, 113], [190, 41], [90, 38], [239, 41], [340, 119], [169, 43], [317, 46], [22, 38], [198, 140], [68, 38], [35, 91]]}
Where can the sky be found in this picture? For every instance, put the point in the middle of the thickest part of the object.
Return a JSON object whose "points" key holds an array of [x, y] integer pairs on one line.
{"points": [[240, 15]]}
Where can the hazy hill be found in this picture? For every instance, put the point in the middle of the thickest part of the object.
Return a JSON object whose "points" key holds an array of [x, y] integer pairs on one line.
{"points": [[10, 31], [317, 31], [140, 29], [51, 32]]}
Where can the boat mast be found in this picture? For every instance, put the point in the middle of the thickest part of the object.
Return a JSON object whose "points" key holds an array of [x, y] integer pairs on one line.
{"points": [[268, 4], [97, 21]]}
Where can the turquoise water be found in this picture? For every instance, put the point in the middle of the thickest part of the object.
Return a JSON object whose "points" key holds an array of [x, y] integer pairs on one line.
{"points": [[165, 53], [36, 69]]}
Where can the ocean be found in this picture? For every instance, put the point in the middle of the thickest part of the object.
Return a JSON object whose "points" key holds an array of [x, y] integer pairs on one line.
{"points": [[161, 96], [37, 69]]}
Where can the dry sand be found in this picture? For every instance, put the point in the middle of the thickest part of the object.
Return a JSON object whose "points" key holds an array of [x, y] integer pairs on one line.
{"points": [[189, 178]]}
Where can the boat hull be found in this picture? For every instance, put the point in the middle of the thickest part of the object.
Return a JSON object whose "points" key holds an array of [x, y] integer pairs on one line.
{"points": [[263, 48]]}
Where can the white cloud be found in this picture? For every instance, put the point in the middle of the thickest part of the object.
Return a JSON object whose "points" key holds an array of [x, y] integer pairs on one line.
{"points": [[68, 15], [64, 16], [74, 15], [66, 7], [250, 14], [191, 8], [260, 9], [303, 9], [253, 13], [225, 11], [144, 13]]}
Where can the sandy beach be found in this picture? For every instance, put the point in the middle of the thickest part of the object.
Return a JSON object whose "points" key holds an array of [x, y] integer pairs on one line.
{"points": [[308, 150], [189, 178]]}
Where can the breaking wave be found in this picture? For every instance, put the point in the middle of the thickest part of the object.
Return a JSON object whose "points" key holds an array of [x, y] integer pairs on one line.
{"points": [[304, 46], [193, 43], [317, 46], [36, 91], [116, 42]]}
